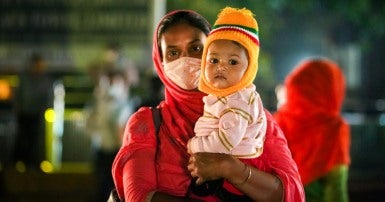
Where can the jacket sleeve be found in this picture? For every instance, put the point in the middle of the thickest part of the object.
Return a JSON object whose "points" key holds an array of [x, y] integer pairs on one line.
{"points": [[133, 183], [277, 159], [231, 129]]}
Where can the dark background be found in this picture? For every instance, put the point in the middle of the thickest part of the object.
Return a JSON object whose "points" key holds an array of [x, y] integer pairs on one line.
{"points": [[70, 34]]}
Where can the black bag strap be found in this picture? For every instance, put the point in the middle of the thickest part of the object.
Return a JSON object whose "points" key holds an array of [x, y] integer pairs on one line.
{"points": [[157, 118]]}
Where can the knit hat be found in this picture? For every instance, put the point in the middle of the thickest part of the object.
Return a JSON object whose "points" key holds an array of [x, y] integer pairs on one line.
{"points": [[237, 25]]}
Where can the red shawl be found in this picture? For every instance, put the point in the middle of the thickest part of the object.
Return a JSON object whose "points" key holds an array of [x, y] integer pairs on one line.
{"points": [[146, 162], [318, 136]]}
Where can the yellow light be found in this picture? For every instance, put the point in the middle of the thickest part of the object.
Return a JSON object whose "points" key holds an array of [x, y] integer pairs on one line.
{"points": [[5, 90], [49, 115], [20, 167], [46, 167]]}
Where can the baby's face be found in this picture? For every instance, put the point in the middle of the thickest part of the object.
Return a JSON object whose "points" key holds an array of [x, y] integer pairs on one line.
{"points": [[226, 62]]}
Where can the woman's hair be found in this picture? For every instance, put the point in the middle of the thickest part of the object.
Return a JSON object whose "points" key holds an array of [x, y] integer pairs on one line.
{"points": [[189, 17]]}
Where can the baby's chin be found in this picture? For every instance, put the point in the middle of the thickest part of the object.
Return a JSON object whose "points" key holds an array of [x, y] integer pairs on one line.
{"points": [[220, 86]]}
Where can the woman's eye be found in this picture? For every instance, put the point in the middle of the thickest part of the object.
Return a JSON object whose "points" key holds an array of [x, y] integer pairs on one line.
{"points": [[172, 53], [197, 48]]}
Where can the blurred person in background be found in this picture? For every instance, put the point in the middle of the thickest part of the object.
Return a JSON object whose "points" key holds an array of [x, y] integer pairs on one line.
{"points": [[34, 96], [309, 114], [154, 93], [113, 58], [108, 112], [8, 122]]}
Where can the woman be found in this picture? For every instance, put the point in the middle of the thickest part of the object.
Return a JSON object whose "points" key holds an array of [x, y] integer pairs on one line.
{"points": [[318, 136], [157, 167]]}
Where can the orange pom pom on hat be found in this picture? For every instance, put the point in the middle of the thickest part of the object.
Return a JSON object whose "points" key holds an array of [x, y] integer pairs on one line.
{"points": [[237, 25]]}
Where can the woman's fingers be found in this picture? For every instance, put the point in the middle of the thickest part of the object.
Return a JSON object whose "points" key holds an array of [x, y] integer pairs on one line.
{"points": [[201, 166], [199, 181]]}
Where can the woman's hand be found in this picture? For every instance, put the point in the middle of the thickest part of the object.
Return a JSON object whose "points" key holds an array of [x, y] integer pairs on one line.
{"points": [[259, 186], [211, 166]]}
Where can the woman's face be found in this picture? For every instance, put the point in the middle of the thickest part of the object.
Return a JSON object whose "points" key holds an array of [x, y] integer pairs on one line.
{"points": [[182, 40]]}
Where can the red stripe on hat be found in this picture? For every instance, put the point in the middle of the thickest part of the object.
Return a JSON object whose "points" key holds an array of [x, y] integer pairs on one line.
{"points": [[255, 40]]}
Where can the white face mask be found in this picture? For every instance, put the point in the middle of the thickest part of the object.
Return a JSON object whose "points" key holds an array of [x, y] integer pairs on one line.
{"points": [[112, 90], [117, 90], [184, 72]]}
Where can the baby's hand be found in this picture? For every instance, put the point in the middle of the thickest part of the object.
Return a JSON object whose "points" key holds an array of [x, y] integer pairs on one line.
{"points": [[188, 148]]}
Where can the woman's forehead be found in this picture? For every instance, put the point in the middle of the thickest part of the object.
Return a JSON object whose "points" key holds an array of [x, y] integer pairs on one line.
{"points": [[181, 34]]}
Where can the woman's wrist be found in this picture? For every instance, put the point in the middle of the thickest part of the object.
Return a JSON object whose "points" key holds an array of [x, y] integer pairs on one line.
{"points": [[239, 173], [248, 170]]}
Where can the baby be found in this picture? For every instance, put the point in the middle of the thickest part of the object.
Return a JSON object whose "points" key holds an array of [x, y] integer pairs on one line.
{"points": [[234, 121]]}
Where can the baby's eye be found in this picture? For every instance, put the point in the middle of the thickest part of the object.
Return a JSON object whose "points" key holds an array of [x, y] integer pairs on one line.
{"points": [[233, 62], [213, 60]]}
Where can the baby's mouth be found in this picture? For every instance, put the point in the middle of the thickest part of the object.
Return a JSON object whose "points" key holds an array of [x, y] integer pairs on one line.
{"points": [[219, 76]]}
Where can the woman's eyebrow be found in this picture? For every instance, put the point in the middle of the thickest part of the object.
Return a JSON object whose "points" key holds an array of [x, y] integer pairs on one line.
{"points": [[171, 46], [194, 40]]}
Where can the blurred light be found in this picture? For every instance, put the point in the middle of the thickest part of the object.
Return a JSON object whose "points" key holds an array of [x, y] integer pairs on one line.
{"points": [[12, 80], [77, 115], [49, 115], [5, 90], [381, 120], [46, 167], [20, 167], [354, 118], [380, 105]]}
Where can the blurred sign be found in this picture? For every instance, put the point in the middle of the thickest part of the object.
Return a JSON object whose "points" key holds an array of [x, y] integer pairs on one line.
{"points": [[73, 20]]}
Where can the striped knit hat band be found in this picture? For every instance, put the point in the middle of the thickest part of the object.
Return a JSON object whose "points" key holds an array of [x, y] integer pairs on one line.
{"points": [[236, 25], [252, 33]]}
